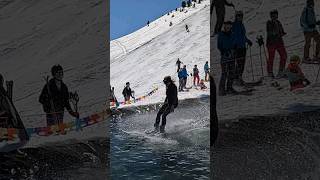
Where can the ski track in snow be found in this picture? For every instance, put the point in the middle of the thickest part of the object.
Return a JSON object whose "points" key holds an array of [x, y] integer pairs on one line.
{"points": [[145, 56]]}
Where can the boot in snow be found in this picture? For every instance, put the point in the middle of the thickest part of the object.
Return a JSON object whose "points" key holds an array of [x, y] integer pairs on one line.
{"points": [[162, 129]]}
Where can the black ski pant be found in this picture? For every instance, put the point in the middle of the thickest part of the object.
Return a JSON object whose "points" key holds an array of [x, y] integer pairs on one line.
{"points": [[227, 75], [178, 68], [164, 111], [220, 12], [240, 55]]}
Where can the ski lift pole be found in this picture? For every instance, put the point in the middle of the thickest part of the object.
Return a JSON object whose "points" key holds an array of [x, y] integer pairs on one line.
{"points": [[251, 61]]}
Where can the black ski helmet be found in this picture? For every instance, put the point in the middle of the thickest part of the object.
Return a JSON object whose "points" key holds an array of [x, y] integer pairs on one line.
{"points": [[274, 12], [55, 69], [167, 79]]}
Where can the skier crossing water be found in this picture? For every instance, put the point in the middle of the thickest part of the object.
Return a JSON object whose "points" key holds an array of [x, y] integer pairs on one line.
{"points": [[54, 98], [170, 103], [308, 22]]}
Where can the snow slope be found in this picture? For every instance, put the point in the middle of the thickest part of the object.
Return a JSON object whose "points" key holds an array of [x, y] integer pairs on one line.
{"points": [[144, 57], [35, 35], [268, 100]]}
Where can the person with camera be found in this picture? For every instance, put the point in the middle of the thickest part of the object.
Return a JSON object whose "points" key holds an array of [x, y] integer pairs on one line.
{"points": [[241, 40], [275, 33], [308, 22]]}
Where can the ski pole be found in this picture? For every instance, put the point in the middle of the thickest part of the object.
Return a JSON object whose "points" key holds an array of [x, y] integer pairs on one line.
{"points": [[261, 61], [318, 74], [251, 63]]}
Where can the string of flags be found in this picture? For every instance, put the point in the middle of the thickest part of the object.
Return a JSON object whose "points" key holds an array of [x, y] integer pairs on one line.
{"points": [[116, 104], [11, 134]]}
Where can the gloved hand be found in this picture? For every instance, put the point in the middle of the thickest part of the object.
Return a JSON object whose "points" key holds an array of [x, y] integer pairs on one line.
{"points": [[249, 42], [74, 114]]}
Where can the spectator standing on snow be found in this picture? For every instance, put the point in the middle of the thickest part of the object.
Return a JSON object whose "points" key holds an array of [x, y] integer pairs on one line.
{"points": [[187, 28], [54, 98], [225, 45], [308, 22], [196, 75], [127, 92], [206, 71], [275, 43], [239, 33], [185, 76]]}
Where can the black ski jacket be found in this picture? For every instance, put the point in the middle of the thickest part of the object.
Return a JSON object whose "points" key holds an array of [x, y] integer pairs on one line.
{"points": [[59, 98], [172, 95], [127, 92]]}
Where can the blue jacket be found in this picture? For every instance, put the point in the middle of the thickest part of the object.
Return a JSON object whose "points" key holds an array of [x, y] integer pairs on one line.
{"points": [[226, 45], [308, 20], [183, 73], [239, 33], [206, 68]]}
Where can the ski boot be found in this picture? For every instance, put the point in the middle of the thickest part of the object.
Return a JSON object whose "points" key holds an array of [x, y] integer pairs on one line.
{"points": [[232, 91], [307, 60], [162, 129], [281, 74], [270, 75], [156, 126]]}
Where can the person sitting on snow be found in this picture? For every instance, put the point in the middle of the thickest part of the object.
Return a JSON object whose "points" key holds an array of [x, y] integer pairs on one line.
{"points": [[202, 85], [295, 74], [127, 92]]}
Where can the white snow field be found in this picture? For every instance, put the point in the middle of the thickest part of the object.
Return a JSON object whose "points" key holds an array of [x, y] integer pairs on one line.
{"points": [[34, 36], [266, 99], [147, 55]]}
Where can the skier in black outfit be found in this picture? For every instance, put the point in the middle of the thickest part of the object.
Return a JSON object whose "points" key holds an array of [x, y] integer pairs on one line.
{"points": [[54, 98], [178, 63], [220, 12], [170, 103], [127, 92], [187, 28]]}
